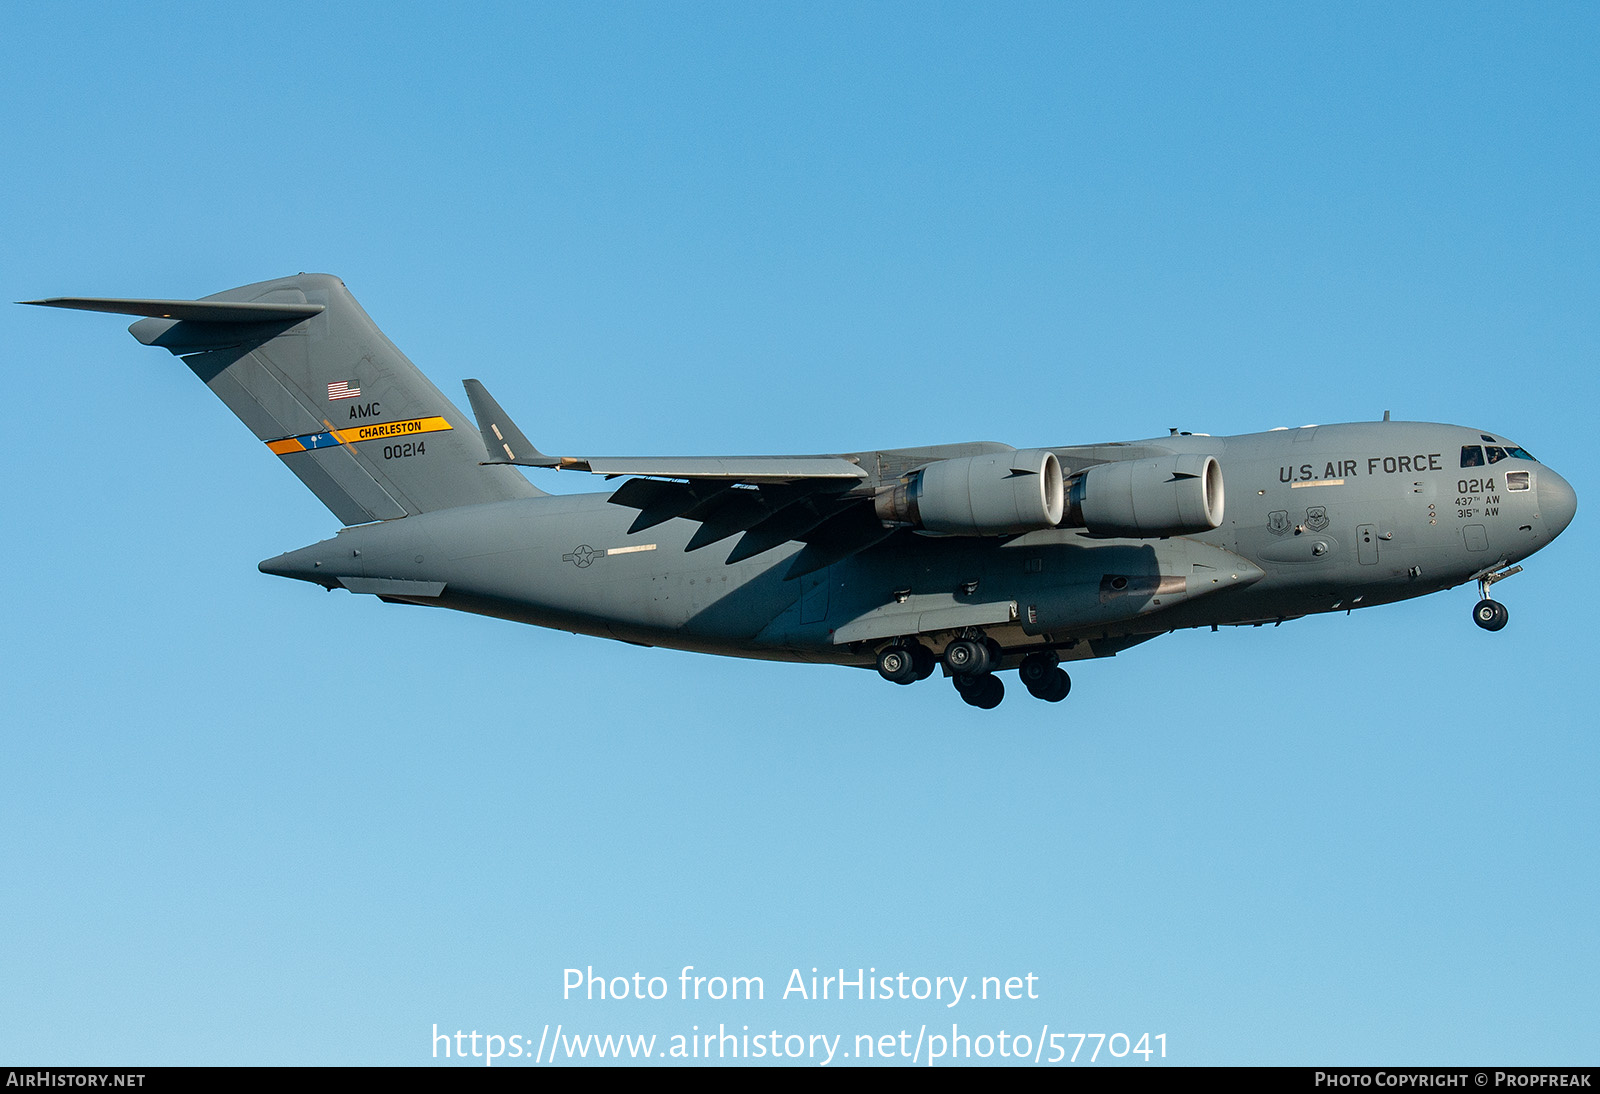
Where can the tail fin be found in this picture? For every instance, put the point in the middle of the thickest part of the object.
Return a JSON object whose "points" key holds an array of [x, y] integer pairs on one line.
{"points": [[303, 366]]}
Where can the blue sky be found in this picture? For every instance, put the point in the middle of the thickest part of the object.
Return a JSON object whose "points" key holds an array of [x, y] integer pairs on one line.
{"points": [[245, 821]]}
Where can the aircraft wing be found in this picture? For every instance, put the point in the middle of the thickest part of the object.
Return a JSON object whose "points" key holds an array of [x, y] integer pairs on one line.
{"points": [[749, 469], [508, 444], [823, 501]]}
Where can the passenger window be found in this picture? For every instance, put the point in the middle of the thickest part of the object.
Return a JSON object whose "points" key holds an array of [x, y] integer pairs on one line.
{"points": [[1517, 480], [1471, 456], [1496, 454]]}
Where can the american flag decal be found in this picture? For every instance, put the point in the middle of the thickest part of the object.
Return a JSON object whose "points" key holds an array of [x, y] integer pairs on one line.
{"points": [[343, 389]]}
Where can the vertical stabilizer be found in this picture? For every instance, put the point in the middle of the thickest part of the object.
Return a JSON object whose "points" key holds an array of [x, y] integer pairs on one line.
{"points": [[313, 377]]}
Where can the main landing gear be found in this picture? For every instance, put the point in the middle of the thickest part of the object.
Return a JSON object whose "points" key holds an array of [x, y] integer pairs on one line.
{"points": [[982, 690], [1043, 676], [906, 663], [970, 663], [1489, 614]]}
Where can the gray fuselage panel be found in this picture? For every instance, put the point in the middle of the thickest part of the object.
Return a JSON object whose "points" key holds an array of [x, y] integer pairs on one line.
{"points": [[1317, 519]]}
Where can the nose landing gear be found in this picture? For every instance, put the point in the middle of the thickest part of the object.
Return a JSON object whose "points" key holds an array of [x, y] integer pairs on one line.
{"points": [[1489, 614]]}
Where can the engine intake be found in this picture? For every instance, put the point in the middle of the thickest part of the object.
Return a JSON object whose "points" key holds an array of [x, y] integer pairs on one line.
{"points": [[1168, 496], [991, 495]]}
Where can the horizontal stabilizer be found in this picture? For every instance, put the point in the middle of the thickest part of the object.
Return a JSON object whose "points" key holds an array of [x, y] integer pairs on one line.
{"points": [[193, 311], [505, 442]]}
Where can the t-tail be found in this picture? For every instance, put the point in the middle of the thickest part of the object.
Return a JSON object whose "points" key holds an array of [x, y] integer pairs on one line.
{"points": [[301, 364]]}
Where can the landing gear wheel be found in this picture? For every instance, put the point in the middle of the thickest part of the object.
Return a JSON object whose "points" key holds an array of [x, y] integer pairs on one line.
{"points": [[1491, 615], [1053, 688], [966, 657], [1035, 670], [922, 657], [897, 664], [983, 692]]}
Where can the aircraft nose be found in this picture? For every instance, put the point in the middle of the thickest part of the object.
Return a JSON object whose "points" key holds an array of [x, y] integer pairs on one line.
{"points": [[1558, 501]]}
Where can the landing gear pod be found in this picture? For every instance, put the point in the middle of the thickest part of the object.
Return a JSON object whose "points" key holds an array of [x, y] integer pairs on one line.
{"points": [[990, 495], [1168, 496]]}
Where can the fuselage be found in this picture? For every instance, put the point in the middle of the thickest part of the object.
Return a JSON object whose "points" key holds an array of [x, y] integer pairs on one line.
{"points": [[1316, 519], [1359, 514]]}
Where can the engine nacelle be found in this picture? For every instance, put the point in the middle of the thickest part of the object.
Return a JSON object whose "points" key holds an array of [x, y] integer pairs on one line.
{"points": [[990, 495], [1168, 496]]}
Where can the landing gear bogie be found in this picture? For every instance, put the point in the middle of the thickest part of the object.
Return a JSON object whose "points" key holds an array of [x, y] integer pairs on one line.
{"points": [[968, 657], [970, 661], [906, 662], [984, 691], [897, 664], [1053, 688], [1037, 669], [1044, 678]]}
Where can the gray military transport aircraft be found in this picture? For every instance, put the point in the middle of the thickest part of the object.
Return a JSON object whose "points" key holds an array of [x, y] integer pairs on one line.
{"points": [[976, 558]]}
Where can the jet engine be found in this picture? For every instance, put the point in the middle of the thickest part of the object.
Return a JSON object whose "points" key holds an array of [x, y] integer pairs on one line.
{"points": [[1168, 496], [990, 495]]}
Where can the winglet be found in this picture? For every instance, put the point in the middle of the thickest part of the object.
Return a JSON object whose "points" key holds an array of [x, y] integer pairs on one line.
{"points": [[505, 442]]}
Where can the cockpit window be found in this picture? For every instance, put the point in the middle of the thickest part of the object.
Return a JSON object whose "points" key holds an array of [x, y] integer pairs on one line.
{"points": [[1472, 455], [1517, 480]]}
